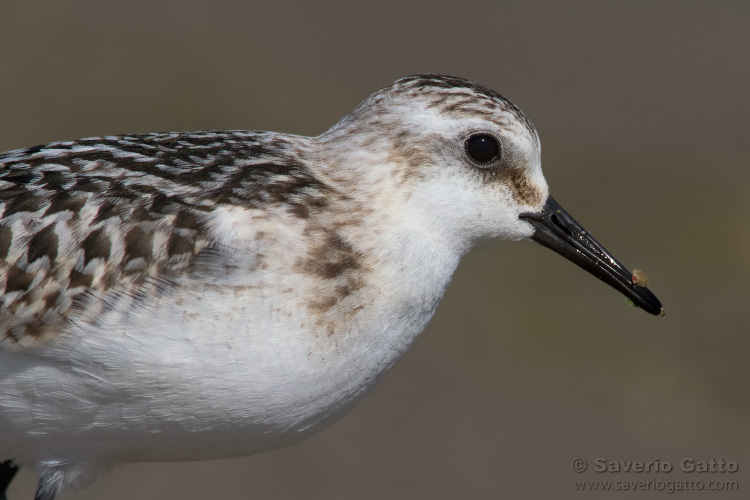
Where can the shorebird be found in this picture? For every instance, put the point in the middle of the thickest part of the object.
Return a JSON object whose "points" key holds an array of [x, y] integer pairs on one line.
{"points": [[202, 295]]}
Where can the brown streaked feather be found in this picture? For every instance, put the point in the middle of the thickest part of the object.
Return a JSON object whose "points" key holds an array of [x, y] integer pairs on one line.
{"points": [[79, 220]]}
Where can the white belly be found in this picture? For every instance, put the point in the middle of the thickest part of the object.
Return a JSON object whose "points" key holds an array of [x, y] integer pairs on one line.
{"points": [[201, 374]]}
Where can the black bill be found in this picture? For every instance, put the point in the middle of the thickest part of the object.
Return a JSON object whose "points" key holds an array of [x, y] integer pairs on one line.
{"points": [[556, 229]]}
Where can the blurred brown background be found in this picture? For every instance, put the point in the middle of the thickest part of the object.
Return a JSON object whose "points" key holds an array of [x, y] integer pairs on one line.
{"points": [[529, 363]]}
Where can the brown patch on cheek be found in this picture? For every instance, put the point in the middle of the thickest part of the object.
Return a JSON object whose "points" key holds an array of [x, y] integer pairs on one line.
{"points": [[410, 155], [523, 191]]}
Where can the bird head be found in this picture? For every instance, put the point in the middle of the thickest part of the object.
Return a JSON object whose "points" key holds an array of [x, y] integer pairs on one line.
{"points": [[462, 163]]}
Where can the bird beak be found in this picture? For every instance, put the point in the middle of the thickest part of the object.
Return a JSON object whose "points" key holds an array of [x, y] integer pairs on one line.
{"points": [[556, 229]]}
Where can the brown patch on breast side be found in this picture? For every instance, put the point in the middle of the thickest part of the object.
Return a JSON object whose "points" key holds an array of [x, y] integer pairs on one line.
{"points": [[523, 191], [337, 271], [331, 259], [349, 287]]}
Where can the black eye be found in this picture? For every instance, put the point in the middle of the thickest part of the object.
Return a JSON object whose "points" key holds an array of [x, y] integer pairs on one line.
{"points": [[482, 148]]}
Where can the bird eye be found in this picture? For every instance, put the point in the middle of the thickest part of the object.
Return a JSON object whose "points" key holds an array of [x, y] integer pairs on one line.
{"points": [[482, 148]]}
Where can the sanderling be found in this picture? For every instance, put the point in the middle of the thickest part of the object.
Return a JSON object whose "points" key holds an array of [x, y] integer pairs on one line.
{"points": [[200, 295]]}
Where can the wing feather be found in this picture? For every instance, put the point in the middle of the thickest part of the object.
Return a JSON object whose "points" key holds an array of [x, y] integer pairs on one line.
{"points": [[81, 220]]}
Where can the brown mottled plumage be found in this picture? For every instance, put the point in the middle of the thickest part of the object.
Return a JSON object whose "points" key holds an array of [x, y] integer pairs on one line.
{"points": [[200, 295], [80, 218]]}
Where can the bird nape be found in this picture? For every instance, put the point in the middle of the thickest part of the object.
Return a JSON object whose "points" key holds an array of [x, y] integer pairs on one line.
{"points": [[204, 295]]}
